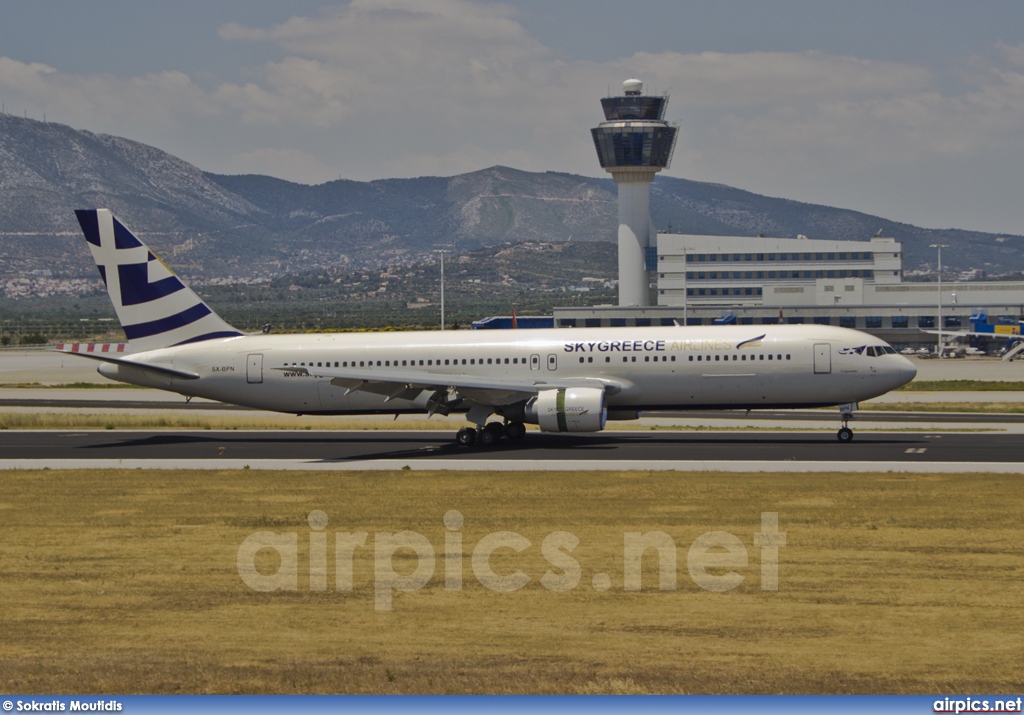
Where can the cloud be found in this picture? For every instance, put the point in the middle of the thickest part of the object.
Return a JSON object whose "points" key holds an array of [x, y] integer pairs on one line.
{"points": [[390, 88], [373, 57], [113, 103], [421, 35], [444, 81], [1014, 54], [723, 81]]}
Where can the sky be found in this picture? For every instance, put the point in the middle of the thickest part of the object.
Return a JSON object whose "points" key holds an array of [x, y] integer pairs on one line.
{"points": [[912, 110]]}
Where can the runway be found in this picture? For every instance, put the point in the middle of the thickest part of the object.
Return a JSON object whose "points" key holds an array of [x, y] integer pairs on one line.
{"points": [[657, 450]]}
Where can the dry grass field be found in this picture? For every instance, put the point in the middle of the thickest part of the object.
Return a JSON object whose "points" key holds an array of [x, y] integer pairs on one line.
{"points": [[127, 582]]}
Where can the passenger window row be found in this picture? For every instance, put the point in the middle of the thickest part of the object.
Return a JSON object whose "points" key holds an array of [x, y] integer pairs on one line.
{"points": [[522, 361], [632, 358], [411, 363], [736, 358]]}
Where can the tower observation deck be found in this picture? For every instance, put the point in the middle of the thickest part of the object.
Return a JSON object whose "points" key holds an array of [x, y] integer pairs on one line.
{"points": [[633, 144]]}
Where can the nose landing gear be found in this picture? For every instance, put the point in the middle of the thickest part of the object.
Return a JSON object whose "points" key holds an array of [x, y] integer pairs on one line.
{"points": [[846, 411]]}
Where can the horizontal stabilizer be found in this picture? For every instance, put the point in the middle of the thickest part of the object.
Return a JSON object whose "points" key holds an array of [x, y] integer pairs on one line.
{"points": [[109, 357]]}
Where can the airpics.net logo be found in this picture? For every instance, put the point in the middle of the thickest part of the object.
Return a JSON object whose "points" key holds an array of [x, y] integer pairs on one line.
{"points": [[712, 560]]}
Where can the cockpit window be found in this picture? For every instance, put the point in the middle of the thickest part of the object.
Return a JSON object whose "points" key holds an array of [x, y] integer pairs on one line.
{"points": [[871, 351]]}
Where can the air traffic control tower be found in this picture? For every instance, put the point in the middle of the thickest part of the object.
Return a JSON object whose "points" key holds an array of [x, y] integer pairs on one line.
{"points": [[633, 144]]}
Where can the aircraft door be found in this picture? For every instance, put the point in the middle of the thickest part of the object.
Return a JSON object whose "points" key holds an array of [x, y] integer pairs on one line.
{"points": [[822, 359], [254, 369], [535, 362], [552, 362]]}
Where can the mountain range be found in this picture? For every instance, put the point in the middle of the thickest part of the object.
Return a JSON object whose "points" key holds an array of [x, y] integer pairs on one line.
{"points": [[215, 226]]}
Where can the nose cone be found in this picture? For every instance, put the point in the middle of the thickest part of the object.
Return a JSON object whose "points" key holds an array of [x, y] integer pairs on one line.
{"points": [[907, 371]]}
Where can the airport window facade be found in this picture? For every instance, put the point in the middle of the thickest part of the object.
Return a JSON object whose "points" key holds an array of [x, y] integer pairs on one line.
{"points": [[816, 257], [739, 271], [627, 144]]}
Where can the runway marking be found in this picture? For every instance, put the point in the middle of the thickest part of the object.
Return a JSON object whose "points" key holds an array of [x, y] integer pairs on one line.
{"points": [[917, 450]]}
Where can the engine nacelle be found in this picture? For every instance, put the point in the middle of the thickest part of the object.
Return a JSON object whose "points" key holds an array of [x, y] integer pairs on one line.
{"points": [[572, 409]]}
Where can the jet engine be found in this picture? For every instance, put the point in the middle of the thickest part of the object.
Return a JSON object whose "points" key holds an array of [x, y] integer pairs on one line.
{"points": [[572, 409]]}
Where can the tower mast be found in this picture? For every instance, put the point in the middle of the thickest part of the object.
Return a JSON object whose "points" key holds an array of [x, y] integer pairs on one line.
{"points": [[633, 144]]}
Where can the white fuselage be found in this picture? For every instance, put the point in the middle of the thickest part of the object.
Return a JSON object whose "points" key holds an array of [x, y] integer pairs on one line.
{"points": [[723, 367]]}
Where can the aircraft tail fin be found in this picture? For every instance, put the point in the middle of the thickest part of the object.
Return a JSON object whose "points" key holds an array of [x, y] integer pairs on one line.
{"points": [[155, 307]]}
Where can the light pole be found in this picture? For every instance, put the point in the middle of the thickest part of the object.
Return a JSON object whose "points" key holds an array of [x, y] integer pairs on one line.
{"points": [[940, 246], [442, 252], [686, 268]]}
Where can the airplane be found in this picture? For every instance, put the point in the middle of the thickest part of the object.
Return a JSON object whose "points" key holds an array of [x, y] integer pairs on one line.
{"points": [[563, 380]]}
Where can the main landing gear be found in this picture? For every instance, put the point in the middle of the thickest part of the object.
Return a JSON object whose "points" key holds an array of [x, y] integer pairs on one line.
{"points": [[846, 411], [490, 434]]}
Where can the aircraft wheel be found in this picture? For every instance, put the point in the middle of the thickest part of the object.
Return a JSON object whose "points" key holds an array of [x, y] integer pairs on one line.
{"points": [[489, 436], [466, 436], [845, 434], [515, 430]]}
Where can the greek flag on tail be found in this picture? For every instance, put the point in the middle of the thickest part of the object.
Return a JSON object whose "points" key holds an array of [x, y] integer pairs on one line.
{"points": [[156, 309]]}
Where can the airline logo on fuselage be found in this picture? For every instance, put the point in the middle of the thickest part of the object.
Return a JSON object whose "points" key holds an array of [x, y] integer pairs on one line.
{"points": [[658, 346], [616, 346]]}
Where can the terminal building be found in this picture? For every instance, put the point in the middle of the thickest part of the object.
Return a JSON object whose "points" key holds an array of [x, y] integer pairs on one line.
{"points": [[708, 280]]}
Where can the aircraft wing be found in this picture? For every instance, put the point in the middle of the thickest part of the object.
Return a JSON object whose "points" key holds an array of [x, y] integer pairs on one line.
{"points": [[403, 383], [971, 334], [954, 333]]}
